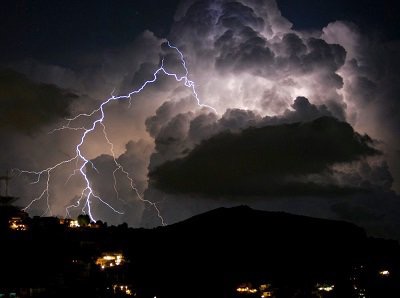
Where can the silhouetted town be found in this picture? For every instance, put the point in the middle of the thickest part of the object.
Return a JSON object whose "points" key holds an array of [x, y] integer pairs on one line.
{"points": [[228, 252]]}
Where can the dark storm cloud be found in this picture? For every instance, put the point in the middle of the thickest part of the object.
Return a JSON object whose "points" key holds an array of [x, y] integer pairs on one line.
{"points": [[248, 51], [26, 105], [303, 110], [292, 45], [265, 160], [177, 128], [322, 54], [165, 113]]}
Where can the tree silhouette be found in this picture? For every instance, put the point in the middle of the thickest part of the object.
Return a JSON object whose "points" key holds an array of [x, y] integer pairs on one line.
{"points": [[83, 220]]}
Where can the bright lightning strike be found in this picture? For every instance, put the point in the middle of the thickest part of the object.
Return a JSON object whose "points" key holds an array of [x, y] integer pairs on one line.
{"points": [[88, 195]]}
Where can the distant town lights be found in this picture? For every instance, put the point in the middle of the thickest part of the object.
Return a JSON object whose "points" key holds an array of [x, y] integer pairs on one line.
{"points": [[326, 288], [384, 273], [246, 290], [110, 260], [16, 224]]}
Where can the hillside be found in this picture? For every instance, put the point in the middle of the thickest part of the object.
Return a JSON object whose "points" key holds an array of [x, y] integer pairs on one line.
{"points": [[208, 255]]}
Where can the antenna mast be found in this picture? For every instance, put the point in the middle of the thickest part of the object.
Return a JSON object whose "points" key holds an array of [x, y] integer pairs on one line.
{"points": [[5, 178]]}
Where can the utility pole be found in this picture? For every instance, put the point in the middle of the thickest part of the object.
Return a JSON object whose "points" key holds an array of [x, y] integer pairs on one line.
{"points": [[5, 178]]}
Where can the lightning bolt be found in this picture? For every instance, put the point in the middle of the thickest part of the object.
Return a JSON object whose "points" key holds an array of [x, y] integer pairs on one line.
{"points": [[81, 161]]}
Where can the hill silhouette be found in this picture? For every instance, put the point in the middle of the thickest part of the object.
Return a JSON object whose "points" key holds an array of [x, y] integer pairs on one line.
{"points": [[231, 243], [207, 255]]}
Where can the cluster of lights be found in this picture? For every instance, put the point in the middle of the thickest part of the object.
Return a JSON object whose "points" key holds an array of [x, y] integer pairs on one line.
{"points": [[73, 224], [70, 223], [359, 291], [110, 260], [264, 290], [246, 290], [16, 224], [326, 288], [124, 289]]}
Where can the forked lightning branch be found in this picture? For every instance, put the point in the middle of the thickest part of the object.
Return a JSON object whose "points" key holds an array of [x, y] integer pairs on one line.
{"points": [[96, 121]]}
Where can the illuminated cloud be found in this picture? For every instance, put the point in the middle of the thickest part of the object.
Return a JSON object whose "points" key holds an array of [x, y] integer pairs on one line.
{"points": [[248, 62]]}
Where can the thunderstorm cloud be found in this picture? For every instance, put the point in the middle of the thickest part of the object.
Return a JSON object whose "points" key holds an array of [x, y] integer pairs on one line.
{"points": [[305, 121], [264, 161], [27, 106]]}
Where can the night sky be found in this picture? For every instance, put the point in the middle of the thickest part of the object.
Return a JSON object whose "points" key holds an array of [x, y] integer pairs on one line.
{"points": [[304, 116]]}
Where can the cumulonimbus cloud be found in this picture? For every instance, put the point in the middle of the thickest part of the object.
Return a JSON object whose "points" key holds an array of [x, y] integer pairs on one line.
{"points": [[257, 71]]}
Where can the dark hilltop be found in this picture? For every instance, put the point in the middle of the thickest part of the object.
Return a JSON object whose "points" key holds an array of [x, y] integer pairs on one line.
{"points": [[226, 252]]}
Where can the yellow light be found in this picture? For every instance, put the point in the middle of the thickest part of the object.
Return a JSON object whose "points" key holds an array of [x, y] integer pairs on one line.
{"points": [[73, 224], [16, 223], [246, 290], [253, 291], [384, 273], [326, 288], [109, 258]]}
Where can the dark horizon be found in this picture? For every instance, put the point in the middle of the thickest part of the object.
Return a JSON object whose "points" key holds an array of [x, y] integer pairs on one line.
{"points": [[235, 247]]}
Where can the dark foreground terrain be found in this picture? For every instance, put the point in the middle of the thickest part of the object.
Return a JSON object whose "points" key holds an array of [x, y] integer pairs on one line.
{"points": [[235, 252]]}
